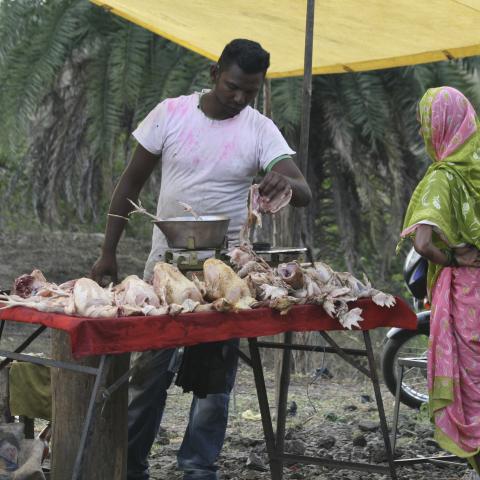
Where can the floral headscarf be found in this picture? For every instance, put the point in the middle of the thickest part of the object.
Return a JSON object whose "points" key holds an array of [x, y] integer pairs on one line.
{"points": [[448, 196]]}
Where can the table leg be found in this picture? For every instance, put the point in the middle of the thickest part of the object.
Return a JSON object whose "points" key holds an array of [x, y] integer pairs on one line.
{"points": [[24, 345], [282, 400], [275, 465], [100, 380], [2, 326], [378, 398], [396, 409]]}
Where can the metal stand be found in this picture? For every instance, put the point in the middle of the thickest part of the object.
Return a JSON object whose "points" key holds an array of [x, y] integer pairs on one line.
{"points": [[99, 373], [275, 442]]}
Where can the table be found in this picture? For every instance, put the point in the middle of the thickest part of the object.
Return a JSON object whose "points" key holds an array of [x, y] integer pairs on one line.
{"points": [[108, 336]]}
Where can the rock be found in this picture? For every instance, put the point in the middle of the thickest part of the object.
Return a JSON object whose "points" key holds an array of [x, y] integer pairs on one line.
{"points": [[251, 475], [295, 447], [250, 442], [368, 426], [323, 372], [162, 437], [292, 409], [255, 462], [291, 434], [359, 440], [332, 416], [326, 442], [379, 455], [297, 475]]}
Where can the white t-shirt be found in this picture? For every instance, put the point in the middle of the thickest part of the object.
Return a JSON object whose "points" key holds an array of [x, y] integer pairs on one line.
{"points": [[209, 164]]}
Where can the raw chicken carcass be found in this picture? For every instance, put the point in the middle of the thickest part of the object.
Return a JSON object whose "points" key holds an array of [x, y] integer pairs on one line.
{"points": [[262, 204], [133, 296], [223, 283], [28, 285], [36, 284], [174, 288], [89, 299], [258, 204], [42, 304], [292, 274]]}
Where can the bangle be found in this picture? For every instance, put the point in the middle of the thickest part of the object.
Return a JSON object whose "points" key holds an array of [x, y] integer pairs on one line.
{"points": [[451, 260], [454, 261]]}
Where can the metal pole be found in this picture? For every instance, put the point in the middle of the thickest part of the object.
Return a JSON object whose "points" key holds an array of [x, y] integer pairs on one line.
{"points": [[378, 398], [282, 401], [307, 89], [275, 463], [267, 98]]}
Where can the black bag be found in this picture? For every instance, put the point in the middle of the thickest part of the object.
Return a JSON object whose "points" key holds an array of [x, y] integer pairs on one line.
{"points": [[203, 369]]}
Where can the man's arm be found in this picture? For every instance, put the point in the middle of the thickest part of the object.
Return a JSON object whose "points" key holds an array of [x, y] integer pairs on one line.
{"points": [[283, 175], [131, 182]]}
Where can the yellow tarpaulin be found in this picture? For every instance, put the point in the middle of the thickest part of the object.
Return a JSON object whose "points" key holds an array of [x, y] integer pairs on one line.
{"points": [[350, 35]]}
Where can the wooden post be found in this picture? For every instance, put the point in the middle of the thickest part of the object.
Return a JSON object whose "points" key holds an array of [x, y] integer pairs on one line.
{"points": [[307, 89], [107, 447]]}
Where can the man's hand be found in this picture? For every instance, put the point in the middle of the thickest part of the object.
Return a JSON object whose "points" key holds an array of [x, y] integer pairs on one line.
{"points": [[106, 265], [274, 186], [468, 256]]}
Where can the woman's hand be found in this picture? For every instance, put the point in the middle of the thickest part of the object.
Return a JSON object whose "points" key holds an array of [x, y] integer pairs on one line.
{"points": [[468, 256]]}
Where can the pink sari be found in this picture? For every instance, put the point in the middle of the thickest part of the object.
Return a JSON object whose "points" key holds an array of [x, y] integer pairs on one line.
{"points": [[454, 361]]}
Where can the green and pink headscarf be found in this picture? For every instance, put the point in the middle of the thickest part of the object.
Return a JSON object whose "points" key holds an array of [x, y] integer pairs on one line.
{"points": [[448, 196]]}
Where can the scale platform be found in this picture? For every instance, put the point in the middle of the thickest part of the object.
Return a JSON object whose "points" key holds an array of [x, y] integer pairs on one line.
{"points": [[192, 260]]}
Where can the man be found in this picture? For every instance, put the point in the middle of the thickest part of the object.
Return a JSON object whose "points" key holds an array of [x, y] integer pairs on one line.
{"points": [[211, 145]]}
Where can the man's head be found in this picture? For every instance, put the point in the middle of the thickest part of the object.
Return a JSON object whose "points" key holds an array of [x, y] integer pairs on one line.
{"points": [[239, 74], [247, 54]]}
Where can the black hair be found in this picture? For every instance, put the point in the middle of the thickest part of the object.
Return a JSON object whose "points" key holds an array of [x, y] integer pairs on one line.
{"points": [[247, 54]]}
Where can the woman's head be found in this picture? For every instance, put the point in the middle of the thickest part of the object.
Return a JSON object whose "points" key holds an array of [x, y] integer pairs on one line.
{"points": [[447, 121]]}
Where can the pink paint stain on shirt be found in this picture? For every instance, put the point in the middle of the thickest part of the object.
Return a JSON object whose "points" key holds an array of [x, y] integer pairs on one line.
{"points": [[228, 148], [177, 108]]}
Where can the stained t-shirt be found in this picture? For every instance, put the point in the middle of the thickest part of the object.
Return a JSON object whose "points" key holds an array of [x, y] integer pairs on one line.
{"points": [[208, 164]]}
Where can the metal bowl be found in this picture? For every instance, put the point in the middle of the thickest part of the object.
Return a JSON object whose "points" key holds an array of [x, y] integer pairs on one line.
{"points": [[191, 234]]}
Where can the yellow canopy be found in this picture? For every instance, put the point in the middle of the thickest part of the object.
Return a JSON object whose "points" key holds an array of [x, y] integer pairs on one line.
{"points": [[350, 35]]}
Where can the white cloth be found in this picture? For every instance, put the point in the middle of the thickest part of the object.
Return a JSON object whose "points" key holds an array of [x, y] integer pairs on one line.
{"points": [[209, 164]]}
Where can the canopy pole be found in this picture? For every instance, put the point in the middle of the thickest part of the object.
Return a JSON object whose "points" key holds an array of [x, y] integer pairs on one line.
{"points": [[307, 89]]}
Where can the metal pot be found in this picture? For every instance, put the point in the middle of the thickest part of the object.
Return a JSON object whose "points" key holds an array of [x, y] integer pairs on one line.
{"points": [[191, 234]]}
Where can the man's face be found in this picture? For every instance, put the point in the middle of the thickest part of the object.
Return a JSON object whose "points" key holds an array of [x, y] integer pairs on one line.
{"points": [[234, 89]]}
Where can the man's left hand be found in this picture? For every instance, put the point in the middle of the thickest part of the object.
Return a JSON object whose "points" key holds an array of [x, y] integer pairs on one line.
{"points": [[274, 186]]}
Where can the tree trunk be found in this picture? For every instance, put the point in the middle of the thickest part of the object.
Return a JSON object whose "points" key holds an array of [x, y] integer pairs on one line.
{"points": [[107, 446]]}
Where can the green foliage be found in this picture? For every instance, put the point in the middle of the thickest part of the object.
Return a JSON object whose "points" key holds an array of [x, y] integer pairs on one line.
{"points": [[366, 157], [76, 81]]}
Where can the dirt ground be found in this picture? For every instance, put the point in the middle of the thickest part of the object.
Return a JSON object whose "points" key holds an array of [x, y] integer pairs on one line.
{"points": [[334, 417], [62, 256]]}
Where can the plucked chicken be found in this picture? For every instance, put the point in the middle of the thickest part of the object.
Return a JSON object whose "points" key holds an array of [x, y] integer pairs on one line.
{"points": [[174, 288], [224, 287]]}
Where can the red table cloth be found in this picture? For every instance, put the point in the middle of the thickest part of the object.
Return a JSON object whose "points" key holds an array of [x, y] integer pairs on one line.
{"points": [[96, 336]]}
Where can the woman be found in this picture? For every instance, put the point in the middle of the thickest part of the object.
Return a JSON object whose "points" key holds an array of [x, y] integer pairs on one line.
{"points": [[444, 218]]}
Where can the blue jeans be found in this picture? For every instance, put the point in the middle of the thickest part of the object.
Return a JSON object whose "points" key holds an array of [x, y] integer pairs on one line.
{"points": [[205, 433]]}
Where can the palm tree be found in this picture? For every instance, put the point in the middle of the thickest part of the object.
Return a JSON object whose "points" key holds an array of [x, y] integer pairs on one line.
{"points": [[75, 80]]}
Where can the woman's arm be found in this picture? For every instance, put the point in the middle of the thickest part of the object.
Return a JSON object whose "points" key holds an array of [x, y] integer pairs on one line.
{"points": [[468, 256], [424, 246]]}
